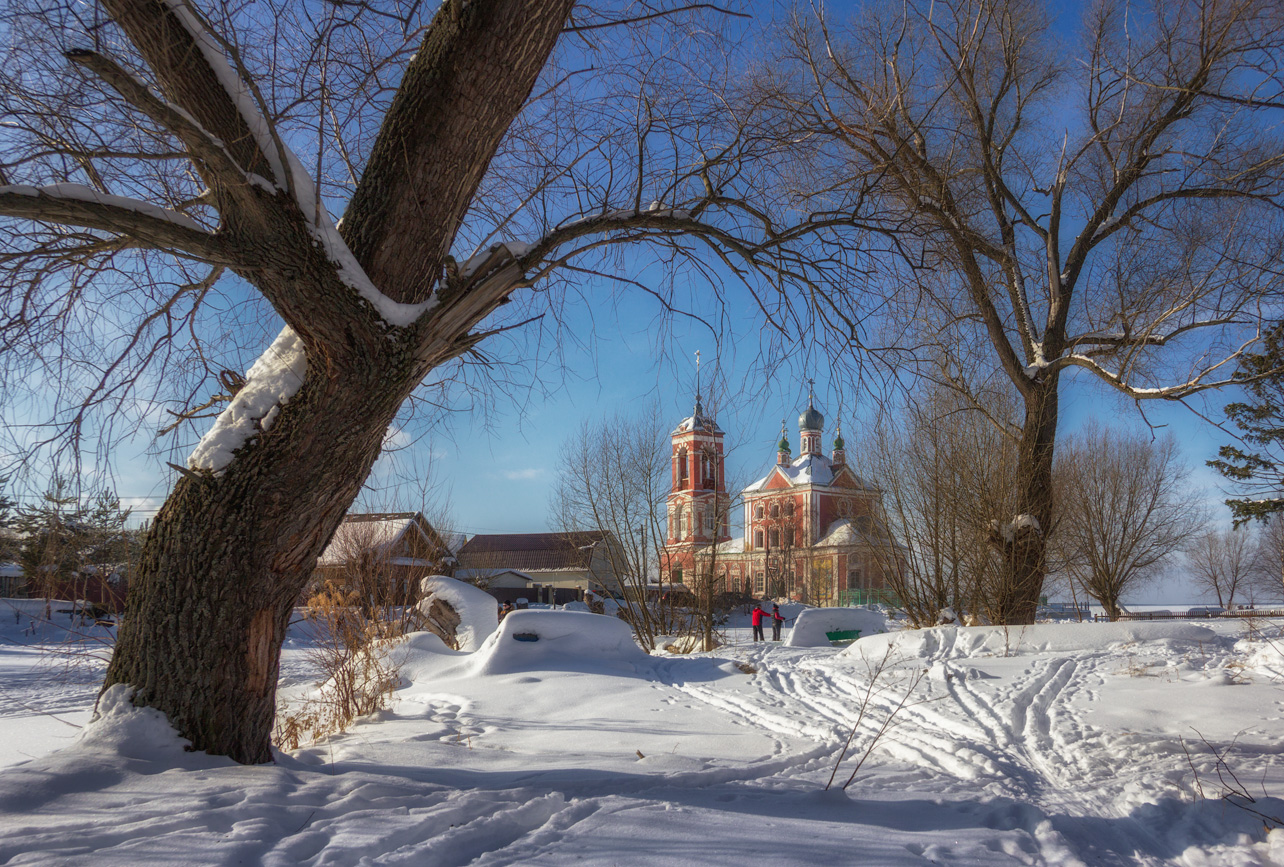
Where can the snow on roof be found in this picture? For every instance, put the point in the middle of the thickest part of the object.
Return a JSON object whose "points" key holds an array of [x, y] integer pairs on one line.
{"points": [[10, 570], [465, 574], [846, 532], [732, 546], [805, 470], [705, 423], [363, 532]]}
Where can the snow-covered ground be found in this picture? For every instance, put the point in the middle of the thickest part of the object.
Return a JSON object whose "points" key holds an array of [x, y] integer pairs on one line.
{"points": [[1058, 744]]}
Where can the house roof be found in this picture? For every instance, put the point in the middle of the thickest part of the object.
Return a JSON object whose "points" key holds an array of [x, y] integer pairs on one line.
{"points": [[531, 551], [382, 531]]}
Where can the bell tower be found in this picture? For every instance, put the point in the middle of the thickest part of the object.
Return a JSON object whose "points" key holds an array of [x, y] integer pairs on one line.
{"points": [[697, 500]]}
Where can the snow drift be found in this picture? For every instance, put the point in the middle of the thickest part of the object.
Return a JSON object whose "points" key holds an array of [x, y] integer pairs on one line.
{"points": [[560, 640], [812, 624], [477, 609], [943, 642]]}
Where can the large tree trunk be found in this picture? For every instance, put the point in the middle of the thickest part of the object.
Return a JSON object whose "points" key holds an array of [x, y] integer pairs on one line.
{"points": [[231, 551], [1024, 548], [229, 555]]}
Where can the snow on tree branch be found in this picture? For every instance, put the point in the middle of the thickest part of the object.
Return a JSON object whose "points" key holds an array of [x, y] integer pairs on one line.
{"points": [[79, 205], [272, 380]]}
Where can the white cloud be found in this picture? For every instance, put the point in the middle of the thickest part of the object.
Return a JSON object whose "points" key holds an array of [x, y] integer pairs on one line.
{"points": [[524, 475]]}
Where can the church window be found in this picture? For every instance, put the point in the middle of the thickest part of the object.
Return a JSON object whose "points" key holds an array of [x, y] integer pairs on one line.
{"points": [[854, 580], [789, 509], [757, 538], [682, 467], [775, 510], [708, 475], [775, 538], [757, 511], [708, 523], [789, 537], [759, 582]]}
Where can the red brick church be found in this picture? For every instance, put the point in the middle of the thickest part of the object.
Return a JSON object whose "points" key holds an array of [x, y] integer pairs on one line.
{"points": [[813, 530]]}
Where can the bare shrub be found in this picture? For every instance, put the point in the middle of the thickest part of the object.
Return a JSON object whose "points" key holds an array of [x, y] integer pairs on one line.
{"points": [[357, 676], [878, 673]]}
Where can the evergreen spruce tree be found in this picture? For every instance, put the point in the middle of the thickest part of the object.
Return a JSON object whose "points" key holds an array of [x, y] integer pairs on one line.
{"points": [[8, 536], [1257, 468], [67, 537]]}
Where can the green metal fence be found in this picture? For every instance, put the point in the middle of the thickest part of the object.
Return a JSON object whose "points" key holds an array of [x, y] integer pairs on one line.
{"points": [[868, 597]]}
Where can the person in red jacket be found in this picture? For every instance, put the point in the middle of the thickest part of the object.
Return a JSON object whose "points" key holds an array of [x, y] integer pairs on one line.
{"points": [[757, 615], [777, 621]]}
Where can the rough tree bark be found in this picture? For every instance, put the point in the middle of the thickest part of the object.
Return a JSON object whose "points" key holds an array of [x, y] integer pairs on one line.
{"points": [[230, 552], [1024, 547]]}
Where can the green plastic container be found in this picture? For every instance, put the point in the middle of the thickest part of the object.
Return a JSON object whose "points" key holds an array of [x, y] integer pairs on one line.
{"points": [[843, 636]]}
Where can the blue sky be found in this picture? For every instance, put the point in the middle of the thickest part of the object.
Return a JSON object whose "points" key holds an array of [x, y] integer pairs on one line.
{"points": [[495, 465]]}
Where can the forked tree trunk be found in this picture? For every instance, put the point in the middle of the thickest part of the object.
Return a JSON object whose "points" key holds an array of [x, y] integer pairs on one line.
{"points": [[229, 555], [1025, 554]]}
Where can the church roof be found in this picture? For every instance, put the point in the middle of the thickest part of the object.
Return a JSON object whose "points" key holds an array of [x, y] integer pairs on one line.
{"points": [[805, 470], [697, 422]]}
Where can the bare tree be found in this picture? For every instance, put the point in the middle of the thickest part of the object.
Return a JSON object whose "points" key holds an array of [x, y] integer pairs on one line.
{"points": [[1269, 580], [613, 476], [945, 468], [1223, 563], [713, 598], [150, 168], [1126, 510], [1108, 204]]}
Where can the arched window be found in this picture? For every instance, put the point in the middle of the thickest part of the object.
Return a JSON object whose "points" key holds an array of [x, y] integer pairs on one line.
{"points": [[789, 508], [682, 467], [775, 510], [757, 538], [775, 537], [789, 537], [757, 511]]}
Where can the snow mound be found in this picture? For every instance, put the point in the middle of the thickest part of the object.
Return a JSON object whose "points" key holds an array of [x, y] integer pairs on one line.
{"points": [[560, 640], [812, 624], [943, 642], [477, 610], [120, 728]]}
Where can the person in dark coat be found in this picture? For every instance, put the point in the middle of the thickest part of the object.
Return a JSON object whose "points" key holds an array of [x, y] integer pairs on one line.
{"points": [[505, 610], [757, 614], [776, 622]]}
